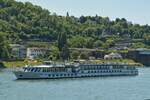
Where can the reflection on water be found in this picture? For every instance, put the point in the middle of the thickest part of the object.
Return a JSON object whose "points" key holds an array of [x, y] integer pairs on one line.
{"points": [[95, 88]]}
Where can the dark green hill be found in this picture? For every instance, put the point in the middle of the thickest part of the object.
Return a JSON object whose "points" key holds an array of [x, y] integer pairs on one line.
{"points": [[25, 21]]}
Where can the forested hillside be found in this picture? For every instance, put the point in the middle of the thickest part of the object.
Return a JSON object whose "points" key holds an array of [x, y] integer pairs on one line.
{"points": [[25, 21]]}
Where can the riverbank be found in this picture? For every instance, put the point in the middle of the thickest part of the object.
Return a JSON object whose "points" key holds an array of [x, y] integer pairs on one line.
{"points": [[14, 64]]}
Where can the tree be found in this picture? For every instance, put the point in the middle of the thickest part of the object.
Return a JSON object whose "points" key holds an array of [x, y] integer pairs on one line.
{"points": [[54, 54], [25, 21], [63, 46], [138, 45], [62, 40], [67, 14], [5, 49], [84, 55], [98, 43], [76, 42], [65, 54], [147, 39], [75, 54]]}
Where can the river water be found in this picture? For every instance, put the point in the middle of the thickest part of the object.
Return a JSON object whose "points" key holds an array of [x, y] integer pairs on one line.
{"points": [[98, 88]]}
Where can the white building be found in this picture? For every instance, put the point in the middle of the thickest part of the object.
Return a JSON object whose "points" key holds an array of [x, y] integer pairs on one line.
{"points": [[113, 56], [35, 52]]}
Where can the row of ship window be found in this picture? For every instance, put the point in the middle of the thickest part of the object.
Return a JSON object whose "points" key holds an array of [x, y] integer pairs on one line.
{"points": [[104, 67], [102, 71], [94, 67], [131, 68], [44, 70], [32, 69], [105, 71], [67, 75], [54, 70], [60, 75], [101, 67]]}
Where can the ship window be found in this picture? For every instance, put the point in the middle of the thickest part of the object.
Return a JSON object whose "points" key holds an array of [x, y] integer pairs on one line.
{"points": [[20, 75], [32, 69], [39, 70], [25, 69]]}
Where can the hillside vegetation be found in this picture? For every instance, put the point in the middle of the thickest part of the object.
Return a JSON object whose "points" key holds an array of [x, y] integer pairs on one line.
{"points": [[21, 22], [25, 21]]}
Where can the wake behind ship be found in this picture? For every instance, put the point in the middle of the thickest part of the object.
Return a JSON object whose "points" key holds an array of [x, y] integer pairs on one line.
{"points": [[55, 71]]}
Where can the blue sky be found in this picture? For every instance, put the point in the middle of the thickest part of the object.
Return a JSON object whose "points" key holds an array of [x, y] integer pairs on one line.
{"points": [[137, 11]]}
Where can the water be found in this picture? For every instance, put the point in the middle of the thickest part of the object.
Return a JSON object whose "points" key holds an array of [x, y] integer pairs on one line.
{"points": [[100, 88]]}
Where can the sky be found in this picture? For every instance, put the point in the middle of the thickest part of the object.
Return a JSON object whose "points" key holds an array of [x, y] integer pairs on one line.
{"points": [[137, 11]]}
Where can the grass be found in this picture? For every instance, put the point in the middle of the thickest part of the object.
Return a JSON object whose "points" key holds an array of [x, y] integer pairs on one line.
{"points": [[115, 51], [13, 64]]}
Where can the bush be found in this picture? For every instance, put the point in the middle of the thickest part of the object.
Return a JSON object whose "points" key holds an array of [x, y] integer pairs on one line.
{"points": [[2, 65]]}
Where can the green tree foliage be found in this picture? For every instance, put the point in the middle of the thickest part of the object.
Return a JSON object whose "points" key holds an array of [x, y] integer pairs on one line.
{"points": [[53, 54], [63, 46], [138, 45], [2, 65], [4, 47], [147, 39], [98, 44], [75, 54], [62, 40], [65, 53], [77, 42], [84, 55], [24, 21]]}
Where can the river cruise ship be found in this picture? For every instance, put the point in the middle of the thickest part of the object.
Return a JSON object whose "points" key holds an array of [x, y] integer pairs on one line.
{"points": [[55, 71]]}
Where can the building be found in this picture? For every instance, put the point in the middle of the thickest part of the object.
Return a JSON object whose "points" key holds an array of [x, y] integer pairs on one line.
{"points": [[123, 44], [35, 52], [113, 56], [18, 51], [140, 55]]}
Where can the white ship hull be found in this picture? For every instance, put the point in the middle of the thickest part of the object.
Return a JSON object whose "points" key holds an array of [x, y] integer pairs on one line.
{"points": [[44, 75]]}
